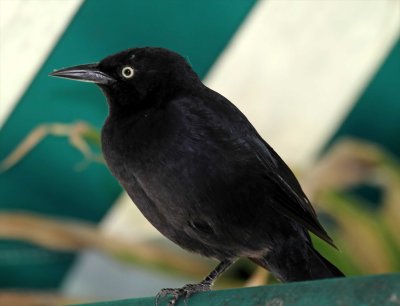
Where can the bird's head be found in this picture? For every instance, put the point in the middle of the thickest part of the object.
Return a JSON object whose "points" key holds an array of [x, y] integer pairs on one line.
{"points": [[136, 78]]}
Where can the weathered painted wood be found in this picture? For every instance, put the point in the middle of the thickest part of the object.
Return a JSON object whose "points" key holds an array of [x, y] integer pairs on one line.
{"points": [[374, 290]]}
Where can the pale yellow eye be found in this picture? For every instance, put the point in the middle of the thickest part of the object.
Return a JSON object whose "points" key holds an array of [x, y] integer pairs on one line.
{"points": [[127, 72]]}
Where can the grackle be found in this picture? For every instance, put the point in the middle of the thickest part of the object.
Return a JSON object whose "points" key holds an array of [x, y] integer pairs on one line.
{"points": [[198, 170]]}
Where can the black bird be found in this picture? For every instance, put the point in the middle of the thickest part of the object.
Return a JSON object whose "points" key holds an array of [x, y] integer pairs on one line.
{"points": [[198, 170]]}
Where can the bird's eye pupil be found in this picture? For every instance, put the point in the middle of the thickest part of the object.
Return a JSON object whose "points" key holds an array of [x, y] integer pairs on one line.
{"points": [[127, 72]]}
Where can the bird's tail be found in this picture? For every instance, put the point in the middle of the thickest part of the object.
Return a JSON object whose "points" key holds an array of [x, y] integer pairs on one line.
{"points": [[297, 265]]}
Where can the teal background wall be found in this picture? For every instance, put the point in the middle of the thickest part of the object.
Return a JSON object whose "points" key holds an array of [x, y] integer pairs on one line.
{"points": [[376, 115]]}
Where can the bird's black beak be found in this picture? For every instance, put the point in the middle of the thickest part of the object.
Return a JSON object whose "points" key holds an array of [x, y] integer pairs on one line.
{"points": [[86, 73]]}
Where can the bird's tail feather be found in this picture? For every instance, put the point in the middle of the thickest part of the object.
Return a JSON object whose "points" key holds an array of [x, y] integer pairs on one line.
{"points": [[298, 265], [332, 268]]}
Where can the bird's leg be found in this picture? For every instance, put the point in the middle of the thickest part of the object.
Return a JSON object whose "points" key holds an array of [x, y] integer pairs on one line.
{"points": [[187, 290]]}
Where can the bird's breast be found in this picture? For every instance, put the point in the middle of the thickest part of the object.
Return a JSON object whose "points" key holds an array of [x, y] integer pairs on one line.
{"points": [[151, 152]]}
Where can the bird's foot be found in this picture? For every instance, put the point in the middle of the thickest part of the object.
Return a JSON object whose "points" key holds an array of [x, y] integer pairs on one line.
{"points": [[186, 291]]}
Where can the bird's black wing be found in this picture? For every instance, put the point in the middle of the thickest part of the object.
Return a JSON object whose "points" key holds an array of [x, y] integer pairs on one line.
{"points": [[290, 198]]}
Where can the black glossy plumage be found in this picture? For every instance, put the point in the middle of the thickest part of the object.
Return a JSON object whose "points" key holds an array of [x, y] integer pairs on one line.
{"points": [[199, 171]]}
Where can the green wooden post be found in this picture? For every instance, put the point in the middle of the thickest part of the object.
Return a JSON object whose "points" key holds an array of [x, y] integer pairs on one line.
{"points": [[374, 290]]}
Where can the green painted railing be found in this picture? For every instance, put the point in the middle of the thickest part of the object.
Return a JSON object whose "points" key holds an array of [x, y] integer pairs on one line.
{"points": [[376, 290]]}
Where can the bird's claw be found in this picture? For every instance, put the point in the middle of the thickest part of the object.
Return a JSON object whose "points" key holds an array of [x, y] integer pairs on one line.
{"points": [[177, 293]]}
